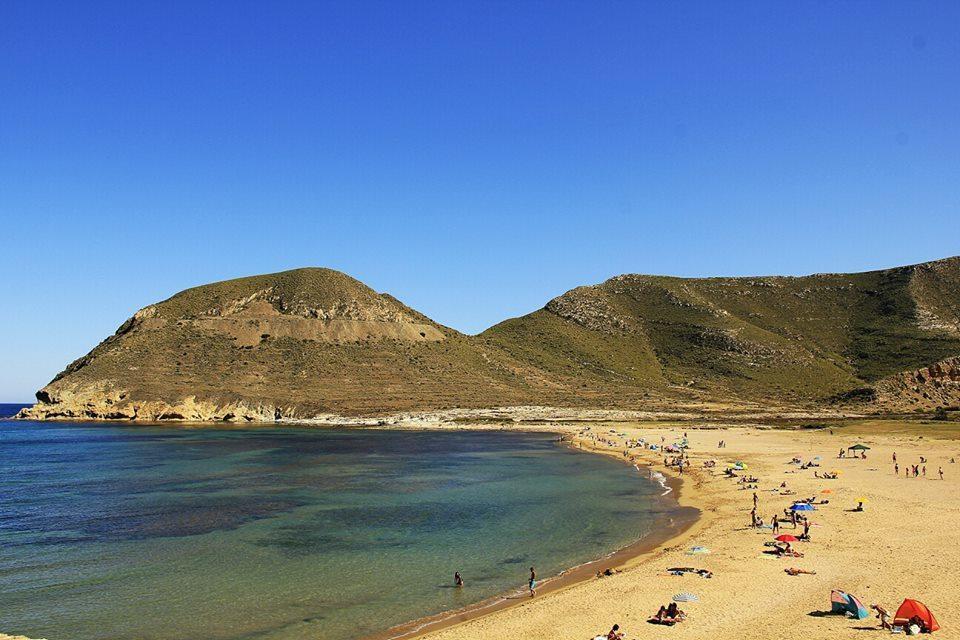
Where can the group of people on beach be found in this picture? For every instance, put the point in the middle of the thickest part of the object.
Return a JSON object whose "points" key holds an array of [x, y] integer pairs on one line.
{"points": [[914, 470]]}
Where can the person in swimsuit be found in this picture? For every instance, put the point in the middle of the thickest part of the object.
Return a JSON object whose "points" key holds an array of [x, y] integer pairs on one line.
{"points": [[533, 582], [457, 580]]}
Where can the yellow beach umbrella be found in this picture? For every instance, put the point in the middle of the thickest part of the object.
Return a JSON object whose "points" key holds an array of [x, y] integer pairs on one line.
{"points": [[862, 499]]}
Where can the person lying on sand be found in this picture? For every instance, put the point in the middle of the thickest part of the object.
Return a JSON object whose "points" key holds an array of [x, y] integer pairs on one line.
{"points": [[679, 571], [786, 551], [793, 571], [607, 572]]}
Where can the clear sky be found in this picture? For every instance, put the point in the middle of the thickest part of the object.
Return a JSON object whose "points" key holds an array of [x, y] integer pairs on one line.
{"points": [[473, 159]]}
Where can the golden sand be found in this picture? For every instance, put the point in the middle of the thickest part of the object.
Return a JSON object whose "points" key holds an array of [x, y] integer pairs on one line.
{"points": [[902, 545]]}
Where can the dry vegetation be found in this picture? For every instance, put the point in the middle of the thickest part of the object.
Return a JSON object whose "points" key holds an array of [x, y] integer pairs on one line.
{"points": [[315, 341]]}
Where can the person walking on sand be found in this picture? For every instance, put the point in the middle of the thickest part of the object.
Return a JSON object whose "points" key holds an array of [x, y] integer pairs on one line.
{"points": [[533, 582], [775, 524], [940, 471], [896, 469], [457, 580], [894, 459], [883, 615], [924, 471], [755, 499]]}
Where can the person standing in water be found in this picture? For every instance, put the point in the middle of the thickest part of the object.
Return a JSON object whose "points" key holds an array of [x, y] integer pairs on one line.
{"points": [[533, 582], [457, 580]]}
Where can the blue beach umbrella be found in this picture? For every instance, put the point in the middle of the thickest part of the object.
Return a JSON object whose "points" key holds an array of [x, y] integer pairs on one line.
{"points": [[802, 506]]}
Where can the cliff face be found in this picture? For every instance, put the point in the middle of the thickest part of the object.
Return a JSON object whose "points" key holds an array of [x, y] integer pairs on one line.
{"points": [[315, 341], [936, 385]]}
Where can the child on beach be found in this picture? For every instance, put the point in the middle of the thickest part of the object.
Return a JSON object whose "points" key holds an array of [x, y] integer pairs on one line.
{"points": [[883, 615]]}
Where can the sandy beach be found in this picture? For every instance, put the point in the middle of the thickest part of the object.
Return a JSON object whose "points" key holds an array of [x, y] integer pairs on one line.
{"points": [[901, 545]]}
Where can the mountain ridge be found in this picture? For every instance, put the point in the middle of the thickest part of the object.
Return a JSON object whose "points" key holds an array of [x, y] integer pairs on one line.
{"points": [[314, 341]]}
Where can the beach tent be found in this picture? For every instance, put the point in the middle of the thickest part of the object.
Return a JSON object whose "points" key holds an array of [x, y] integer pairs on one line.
{"points": [[802, 506], [843, 602], [858, 447], [911, 608]]}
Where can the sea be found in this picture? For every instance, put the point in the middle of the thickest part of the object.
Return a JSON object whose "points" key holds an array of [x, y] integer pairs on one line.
{"points": [[173, 532]]}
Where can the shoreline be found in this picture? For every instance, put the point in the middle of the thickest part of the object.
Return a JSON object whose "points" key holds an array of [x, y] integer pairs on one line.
{"points": [[683, 521]]}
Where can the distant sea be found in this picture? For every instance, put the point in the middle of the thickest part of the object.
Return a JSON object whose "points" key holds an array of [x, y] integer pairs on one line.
{"points": [[126, 532]]}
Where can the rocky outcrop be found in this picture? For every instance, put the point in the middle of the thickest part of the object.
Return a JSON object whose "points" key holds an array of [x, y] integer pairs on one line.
{"points": [[587, 307], [937, 385], [104, 402]]}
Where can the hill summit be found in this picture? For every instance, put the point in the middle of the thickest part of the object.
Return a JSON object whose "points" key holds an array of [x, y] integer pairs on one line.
{"points": [[314, 341]]}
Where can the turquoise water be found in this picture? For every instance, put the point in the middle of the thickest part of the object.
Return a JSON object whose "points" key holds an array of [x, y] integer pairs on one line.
{"points": [[170, 533]]}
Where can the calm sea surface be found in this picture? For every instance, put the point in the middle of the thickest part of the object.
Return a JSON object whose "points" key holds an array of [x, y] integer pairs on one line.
{"points": [[174, 533]]}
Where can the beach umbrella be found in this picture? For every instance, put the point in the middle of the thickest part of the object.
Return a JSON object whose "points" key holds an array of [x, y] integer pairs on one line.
{"points": [[698, 550], [686, 596], [858, 447], [802, 506], [827, 491], [862, 499], [786, 537]]}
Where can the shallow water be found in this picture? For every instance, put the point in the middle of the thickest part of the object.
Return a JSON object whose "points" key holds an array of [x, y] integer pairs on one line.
{"points": [[163, 533]]}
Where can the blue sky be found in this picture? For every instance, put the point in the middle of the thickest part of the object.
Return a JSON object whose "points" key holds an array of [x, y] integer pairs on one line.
{"points": [[473, 159]]}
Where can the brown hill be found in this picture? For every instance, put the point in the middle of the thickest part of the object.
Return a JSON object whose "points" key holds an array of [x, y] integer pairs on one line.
{"points": [[315, 341]]}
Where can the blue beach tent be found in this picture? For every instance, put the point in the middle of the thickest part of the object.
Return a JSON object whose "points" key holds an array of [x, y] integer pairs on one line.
{"points": [[847, 604]]}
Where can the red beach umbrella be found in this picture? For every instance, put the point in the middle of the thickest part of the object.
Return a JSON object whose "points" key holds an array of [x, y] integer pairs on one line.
{"points": [[786, 537]]}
